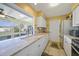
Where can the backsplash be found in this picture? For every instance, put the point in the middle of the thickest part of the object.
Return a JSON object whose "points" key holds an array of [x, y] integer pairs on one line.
{"points": [[41, 29]]}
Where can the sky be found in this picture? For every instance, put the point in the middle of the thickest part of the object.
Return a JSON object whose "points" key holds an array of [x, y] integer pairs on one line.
{"points": [[7, 23]]}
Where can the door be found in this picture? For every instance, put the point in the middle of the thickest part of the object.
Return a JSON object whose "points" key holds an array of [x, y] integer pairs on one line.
{"points": [[67, 45], [54, 30]]}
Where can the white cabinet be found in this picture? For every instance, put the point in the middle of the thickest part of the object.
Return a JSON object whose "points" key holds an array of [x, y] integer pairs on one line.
{"points": [[76, 17], [35, 49], [41, 22], [67, 45], [23, 52]]}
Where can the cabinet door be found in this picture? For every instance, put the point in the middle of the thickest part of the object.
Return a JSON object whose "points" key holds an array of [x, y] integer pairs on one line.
{"points": [[33, 51], [42, 45], [76, 17], [37, 48], [23, 52], [67, 45]]}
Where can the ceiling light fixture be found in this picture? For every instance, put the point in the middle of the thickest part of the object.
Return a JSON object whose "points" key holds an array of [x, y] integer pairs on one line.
{"points": [[53, 4], [35, 3]]}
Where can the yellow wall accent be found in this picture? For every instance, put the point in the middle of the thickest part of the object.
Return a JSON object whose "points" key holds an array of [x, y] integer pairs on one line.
{"points": [[47, 24], [35, 24], [73, 7], [26, 7], [57, 17], [39, 13]]}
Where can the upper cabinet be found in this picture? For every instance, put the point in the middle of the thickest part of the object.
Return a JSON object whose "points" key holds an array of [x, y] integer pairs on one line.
{"points": [[41, 22], [76, 17]]}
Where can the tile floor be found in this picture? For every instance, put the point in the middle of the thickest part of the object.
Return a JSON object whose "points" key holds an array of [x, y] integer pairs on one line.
{"points": [[53, 50]]}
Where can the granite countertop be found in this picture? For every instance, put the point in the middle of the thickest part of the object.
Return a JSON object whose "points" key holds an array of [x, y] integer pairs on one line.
{"points": [[11, 46]]}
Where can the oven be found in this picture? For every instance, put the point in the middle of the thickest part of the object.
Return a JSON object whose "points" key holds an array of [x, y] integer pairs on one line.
{"points": [[75, 47]]}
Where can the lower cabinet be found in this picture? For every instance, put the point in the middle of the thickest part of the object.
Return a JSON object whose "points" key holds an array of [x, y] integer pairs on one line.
{"points": [[23, 52], [35, 49], [67, 45]]}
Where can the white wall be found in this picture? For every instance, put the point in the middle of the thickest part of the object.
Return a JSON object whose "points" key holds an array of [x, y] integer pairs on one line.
{"points": [[54, 30], [41, 22]]}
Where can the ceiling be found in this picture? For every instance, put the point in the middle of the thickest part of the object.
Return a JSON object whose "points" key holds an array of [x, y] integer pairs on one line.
{"points": [[18, 9], [61, 9]]}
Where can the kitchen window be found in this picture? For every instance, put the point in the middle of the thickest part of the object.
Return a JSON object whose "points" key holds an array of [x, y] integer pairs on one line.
{"points": [[14, 24], [9, 30]]}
